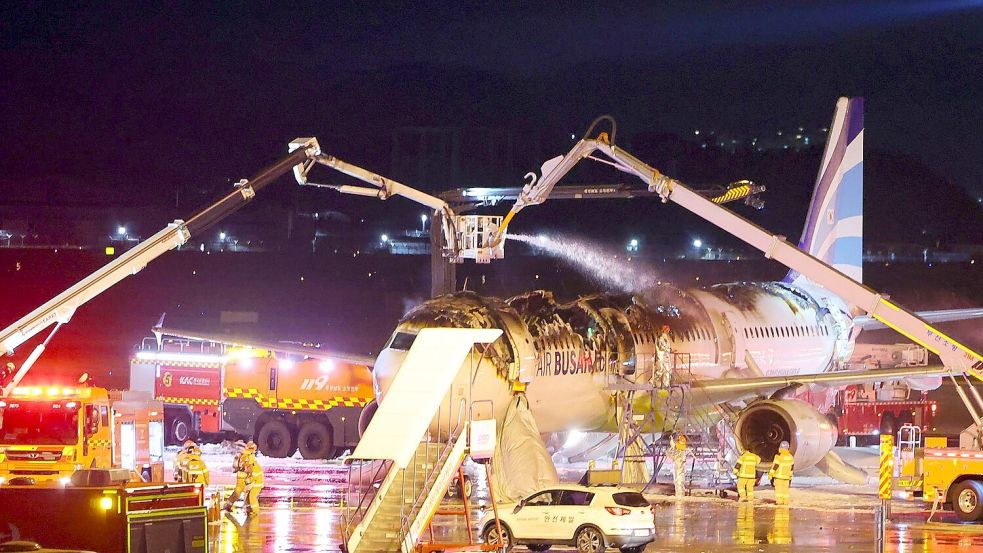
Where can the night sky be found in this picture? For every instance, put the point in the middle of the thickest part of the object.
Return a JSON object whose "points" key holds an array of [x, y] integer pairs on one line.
{"points": [[132, 98]]}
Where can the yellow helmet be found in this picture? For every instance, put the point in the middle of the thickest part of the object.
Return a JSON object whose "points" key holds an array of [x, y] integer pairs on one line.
{"points": [[681, 441], [251, 446]]}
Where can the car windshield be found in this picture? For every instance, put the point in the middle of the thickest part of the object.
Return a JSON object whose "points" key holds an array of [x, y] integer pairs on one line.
{"points": [[39, 423], [630, 499]]}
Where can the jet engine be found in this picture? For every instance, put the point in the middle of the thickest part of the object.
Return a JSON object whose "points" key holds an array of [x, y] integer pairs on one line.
{"points": [[764, 424]]}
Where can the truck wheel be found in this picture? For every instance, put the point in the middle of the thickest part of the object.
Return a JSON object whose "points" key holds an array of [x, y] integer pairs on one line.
{"points": [[276, 440], [967, 500], [180, 430], [314, 441]]}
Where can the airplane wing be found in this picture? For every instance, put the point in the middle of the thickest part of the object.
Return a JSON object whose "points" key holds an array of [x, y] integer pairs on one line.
{"points": [[941, 316], [722, 390], [312, 352]]}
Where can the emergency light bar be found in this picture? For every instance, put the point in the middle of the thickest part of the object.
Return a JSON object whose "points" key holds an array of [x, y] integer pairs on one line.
{"points": [[38, 391]]}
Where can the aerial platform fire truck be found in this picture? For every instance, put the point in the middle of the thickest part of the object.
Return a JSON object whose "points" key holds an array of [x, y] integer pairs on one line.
{"points": [[48, 433]]}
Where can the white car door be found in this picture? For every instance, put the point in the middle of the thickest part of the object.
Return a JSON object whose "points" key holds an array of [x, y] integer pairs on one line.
{"points": [[531, 522], [570, 511]]}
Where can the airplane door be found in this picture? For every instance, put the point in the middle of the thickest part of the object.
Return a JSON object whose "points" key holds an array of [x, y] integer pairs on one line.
{"points": [[731, 345]]}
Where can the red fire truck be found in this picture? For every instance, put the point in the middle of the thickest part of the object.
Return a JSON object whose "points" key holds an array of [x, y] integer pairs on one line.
{"points": [[864, 412]]}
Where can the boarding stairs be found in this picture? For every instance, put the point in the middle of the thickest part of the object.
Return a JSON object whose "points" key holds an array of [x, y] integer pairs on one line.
{"points": [[414, 446], [713, 449]]}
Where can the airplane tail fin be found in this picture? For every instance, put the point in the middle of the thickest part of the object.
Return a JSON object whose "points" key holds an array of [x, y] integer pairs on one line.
{"points": [[834, 227]]}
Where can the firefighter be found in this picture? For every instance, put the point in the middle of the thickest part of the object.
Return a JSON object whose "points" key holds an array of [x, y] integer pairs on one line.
{"points": [[678, 453], [746, 473], [663, 365], [189, 466], [781, 473], [254, 479], [237, 468]]}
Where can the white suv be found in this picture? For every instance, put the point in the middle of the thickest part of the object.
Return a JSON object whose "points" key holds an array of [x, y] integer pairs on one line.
{"points": [[590, 518]]}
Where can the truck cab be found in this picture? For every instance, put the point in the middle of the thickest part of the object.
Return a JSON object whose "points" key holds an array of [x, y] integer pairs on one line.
{"points": [[47, 433]]}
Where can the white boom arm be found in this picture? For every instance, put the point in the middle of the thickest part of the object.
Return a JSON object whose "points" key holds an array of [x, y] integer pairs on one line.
{"points": [[463, 236], [955, 356], [60, 308]]}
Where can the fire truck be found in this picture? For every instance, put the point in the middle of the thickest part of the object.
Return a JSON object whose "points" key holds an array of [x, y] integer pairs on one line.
{"points": [[312, 405], [99, 510], [863, 412], [48, 433]]}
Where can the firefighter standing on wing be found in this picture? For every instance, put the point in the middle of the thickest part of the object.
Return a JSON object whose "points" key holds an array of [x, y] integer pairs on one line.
{"points": [[678, 453], [781, 473], [663, 368], [746, 473]]}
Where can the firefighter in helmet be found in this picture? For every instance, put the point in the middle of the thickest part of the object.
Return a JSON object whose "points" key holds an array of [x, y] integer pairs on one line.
{"points": [[677, 453], [254, 479], [781, 473], [237, 468], [189, 466], [663, 364], [747, 475]]}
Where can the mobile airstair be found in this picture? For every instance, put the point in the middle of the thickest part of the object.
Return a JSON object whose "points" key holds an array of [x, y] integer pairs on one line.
{"points": [[414, 446]]}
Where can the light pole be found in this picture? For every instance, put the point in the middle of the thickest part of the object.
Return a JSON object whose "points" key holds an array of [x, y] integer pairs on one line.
{"points": [[423, 223]]}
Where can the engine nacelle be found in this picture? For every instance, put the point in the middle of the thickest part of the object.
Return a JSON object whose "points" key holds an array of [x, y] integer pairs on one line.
{"points": [[763, 425]]}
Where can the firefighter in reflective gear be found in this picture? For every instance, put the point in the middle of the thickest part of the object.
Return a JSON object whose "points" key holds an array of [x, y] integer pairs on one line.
{"points": [[678, 452], [254, 479], [781, 473], [663, 364], [189, 466], [746, 473], [237, 468]]}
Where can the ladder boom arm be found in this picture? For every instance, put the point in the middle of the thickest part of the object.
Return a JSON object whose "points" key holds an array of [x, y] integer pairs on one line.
{"points": [[60, 308], [955, 356]]}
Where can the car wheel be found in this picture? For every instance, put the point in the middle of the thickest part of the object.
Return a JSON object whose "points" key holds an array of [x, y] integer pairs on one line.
{"points": [[967, 500], [490, 535], [589, 540], [275, 440]]}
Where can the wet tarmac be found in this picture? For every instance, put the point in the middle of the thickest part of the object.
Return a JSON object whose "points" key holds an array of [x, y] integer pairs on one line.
{"points": [[686, 526], [301, 513]]}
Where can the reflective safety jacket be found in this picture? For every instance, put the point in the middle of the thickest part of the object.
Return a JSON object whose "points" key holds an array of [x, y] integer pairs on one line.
{"points": [[781, 468], [746, 465]]}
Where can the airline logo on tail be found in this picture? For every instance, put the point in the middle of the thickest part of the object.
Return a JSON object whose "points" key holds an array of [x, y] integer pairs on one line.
{"points": [[834, 227]]}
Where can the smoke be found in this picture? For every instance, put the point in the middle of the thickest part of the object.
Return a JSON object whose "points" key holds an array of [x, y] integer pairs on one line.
{"points": [[602, 265]]}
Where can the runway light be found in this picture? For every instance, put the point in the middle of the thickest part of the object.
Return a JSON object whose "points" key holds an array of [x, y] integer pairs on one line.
{"points": [[106, 503]]}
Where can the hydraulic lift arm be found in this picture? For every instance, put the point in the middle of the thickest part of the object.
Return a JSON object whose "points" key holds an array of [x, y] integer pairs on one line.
{"points": [[59, 309], [955, 356], [464, 236]]}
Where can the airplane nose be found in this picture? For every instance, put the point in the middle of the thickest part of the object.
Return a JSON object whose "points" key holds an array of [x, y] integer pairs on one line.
{"points": [[386, 366]]}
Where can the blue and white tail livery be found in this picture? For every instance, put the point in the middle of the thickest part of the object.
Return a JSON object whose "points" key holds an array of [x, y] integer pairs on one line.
{"points": [[834, 229]]}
